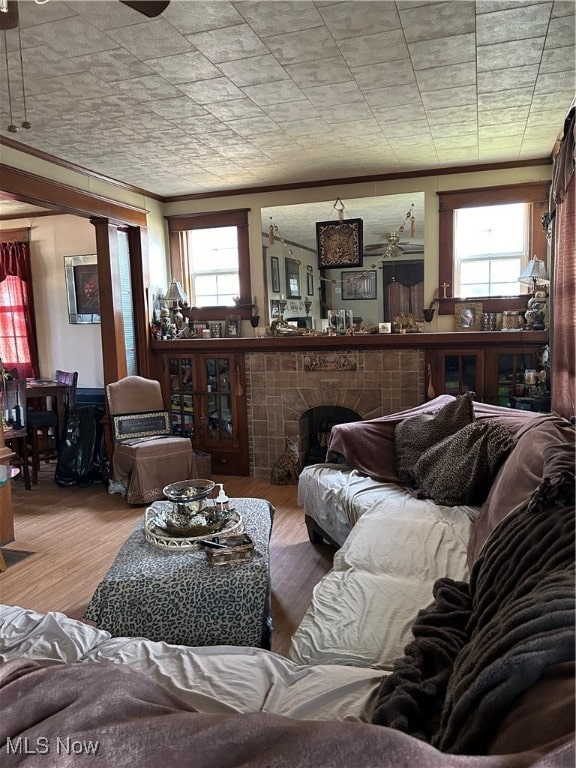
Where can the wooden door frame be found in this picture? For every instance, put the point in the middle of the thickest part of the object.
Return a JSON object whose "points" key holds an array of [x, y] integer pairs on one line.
{"points": [[107, 216]]}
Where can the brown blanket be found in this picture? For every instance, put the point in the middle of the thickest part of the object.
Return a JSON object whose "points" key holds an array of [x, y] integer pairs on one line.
{"points": [[93, 715], [479, 648]]}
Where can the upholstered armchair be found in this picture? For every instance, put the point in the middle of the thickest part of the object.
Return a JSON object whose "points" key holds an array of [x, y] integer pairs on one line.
{"points": [[145, 461]]}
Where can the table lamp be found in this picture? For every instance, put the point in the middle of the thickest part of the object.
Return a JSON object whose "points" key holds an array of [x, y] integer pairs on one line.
{"points": [[533, 273]]}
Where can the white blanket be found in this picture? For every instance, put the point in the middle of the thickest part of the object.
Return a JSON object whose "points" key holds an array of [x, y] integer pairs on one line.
{"points": [[362, 611], [217, 679]]}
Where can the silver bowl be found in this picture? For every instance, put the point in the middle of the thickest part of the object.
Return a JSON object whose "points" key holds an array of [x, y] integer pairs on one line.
{"points": [[186, 491]]}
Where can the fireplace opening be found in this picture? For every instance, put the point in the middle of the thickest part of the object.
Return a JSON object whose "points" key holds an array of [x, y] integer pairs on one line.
{"points": [[315, 426]]}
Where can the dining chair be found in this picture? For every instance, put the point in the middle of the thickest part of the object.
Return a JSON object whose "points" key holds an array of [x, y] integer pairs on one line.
{"points": [[44, 431], [146, 456], [16, 437]]}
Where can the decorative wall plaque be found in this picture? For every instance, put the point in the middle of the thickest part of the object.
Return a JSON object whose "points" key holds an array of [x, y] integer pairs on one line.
{"points": [[330, 363], [339, 243]]}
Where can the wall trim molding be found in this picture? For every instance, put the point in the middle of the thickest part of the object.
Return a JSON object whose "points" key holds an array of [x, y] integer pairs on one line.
{"points": [[38, 190]]}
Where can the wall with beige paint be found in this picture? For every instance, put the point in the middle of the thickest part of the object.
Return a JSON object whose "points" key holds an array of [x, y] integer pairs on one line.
{"points": [[61, 344], [69, 237], [430, 185]]}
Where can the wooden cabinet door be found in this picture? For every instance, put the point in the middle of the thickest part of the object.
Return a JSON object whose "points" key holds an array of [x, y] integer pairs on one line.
{"points": [[504, 374], [454, 372], [205, 394]]}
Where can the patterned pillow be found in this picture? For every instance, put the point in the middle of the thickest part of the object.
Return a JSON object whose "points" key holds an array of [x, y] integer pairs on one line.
{"points": [[460, 468], [417, 434]]}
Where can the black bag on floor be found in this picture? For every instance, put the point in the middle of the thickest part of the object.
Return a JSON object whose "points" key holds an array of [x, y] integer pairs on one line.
{"points": [[82, 456]]}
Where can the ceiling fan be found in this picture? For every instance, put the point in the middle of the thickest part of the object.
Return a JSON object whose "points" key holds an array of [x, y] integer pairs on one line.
{"points": [[394, 245], [150, 8]]}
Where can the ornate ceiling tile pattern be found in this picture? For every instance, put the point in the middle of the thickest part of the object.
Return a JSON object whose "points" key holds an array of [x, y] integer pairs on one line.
{"points": [[219, 95]]}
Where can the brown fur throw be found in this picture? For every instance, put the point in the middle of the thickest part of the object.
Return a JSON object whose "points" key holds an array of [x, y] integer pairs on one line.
{"points": [[479, 647]]}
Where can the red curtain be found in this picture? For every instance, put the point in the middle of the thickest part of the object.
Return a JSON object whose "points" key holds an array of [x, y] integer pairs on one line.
{"points": [[18, 345], [563, 278]]}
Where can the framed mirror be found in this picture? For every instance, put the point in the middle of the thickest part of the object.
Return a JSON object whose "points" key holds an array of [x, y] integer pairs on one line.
{"points": [[295, 228]]}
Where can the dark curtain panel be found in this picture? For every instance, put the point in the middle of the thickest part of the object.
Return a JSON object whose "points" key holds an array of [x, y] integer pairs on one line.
{"points": [[18, 344], [403, 289], [563, 277]]}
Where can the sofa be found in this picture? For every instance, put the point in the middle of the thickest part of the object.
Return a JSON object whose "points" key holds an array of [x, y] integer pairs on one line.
{"points": [[443, 636]]}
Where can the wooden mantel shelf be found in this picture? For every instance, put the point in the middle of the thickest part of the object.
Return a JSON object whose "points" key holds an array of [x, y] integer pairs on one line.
{"points": [[453, 340]]}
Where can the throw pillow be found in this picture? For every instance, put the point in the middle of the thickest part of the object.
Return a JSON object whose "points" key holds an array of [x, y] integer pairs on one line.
{"points": [[460, 468], [415, 435]]}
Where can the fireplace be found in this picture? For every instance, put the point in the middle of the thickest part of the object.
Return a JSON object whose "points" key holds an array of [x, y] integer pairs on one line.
{"points": [[283, 386], [315, 426]]}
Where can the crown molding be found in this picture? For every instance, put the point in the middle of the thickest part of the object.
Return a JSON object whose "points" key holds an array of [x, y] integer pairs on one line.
{"points": [[74, 167], [449, 170]]}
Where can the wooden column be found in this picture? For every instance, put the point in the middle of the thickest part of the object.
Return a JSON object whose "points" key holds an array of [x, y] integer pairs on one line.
{"points": [[111, 315]]}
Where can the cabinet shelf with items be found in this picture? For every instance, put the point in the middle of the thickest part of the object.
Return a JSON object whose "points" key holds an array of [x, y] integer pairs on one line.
{"points": [[205, 395], [496, 374]]}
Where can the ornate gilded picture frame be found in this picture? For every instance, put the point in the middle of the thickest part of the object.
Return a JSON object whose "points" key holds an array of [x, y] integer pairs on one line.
{"points": [[339, 243], [232, 326]]}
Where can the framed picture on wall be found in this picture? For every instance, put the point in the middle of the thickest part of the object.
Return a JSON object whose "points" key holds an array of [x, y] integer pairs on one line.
{"points": [[82, 289], [275, 274], [339, 243], [359, 285], [292, 279]]}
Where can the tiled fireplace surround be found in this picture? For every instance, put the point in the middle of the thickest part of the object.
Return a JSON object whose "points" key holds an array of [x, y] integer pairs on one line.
{"points": [[281, 386]]}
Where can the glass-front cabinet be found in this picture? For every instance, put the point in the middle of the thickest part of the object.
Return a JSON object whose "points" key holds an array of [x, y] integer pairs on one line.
{"points": [[510, 376], [454, 372], [207, 405], [462, 372], [519, 379]]}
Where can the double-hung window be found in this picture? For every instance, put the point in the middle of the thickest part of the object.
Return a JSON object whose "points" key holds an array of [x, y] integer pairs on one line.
{"points": [[210, 257], [490, 249], [213, 266], [486, 238]]}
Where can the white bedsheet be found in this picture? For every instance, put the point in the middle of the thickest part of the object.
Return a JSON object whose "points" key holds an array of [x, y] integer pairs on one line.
{"points": [[217, 679], [362, 611]]}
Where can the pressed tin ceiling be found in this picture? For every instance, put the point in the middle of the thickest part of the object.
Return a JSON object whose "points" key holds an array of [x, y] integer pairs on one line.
{"points": [[214, 96]]}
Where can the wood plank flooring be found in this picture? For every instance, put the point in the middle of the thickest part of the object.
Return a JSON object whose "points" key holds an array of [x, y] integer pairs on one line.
{"points": [[75, 533]]}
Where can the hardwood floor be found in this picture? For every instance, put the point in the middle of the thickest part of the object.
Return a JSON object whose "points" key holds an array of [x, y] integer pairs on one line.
{"points": [[75, 533]]}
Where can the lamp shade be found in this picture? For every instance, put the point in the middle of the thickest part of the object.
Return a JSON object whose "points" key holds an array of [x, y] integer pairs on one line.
{"points": [[534, 272], [175, 293]]}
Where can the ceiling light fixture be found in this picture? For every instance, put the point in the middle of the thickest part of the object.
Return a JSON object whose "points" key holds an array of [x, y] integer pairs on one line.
{"points": [[13, 128]]}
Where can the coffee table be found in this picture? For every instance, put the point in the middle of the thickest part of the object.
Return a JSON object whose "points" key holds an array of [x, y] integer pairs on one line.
{"points": [[179, 598]]}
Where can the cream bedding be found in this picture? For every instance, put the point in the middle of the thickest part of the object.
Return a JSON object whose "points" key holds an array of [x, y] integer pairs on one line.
{"points": [[361, 612], [217, 679]]}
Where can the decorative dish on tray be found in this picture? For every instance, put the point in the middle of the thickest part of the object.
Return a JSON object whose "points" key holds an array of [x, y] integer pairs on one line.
{"points": [[164, 528]]}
